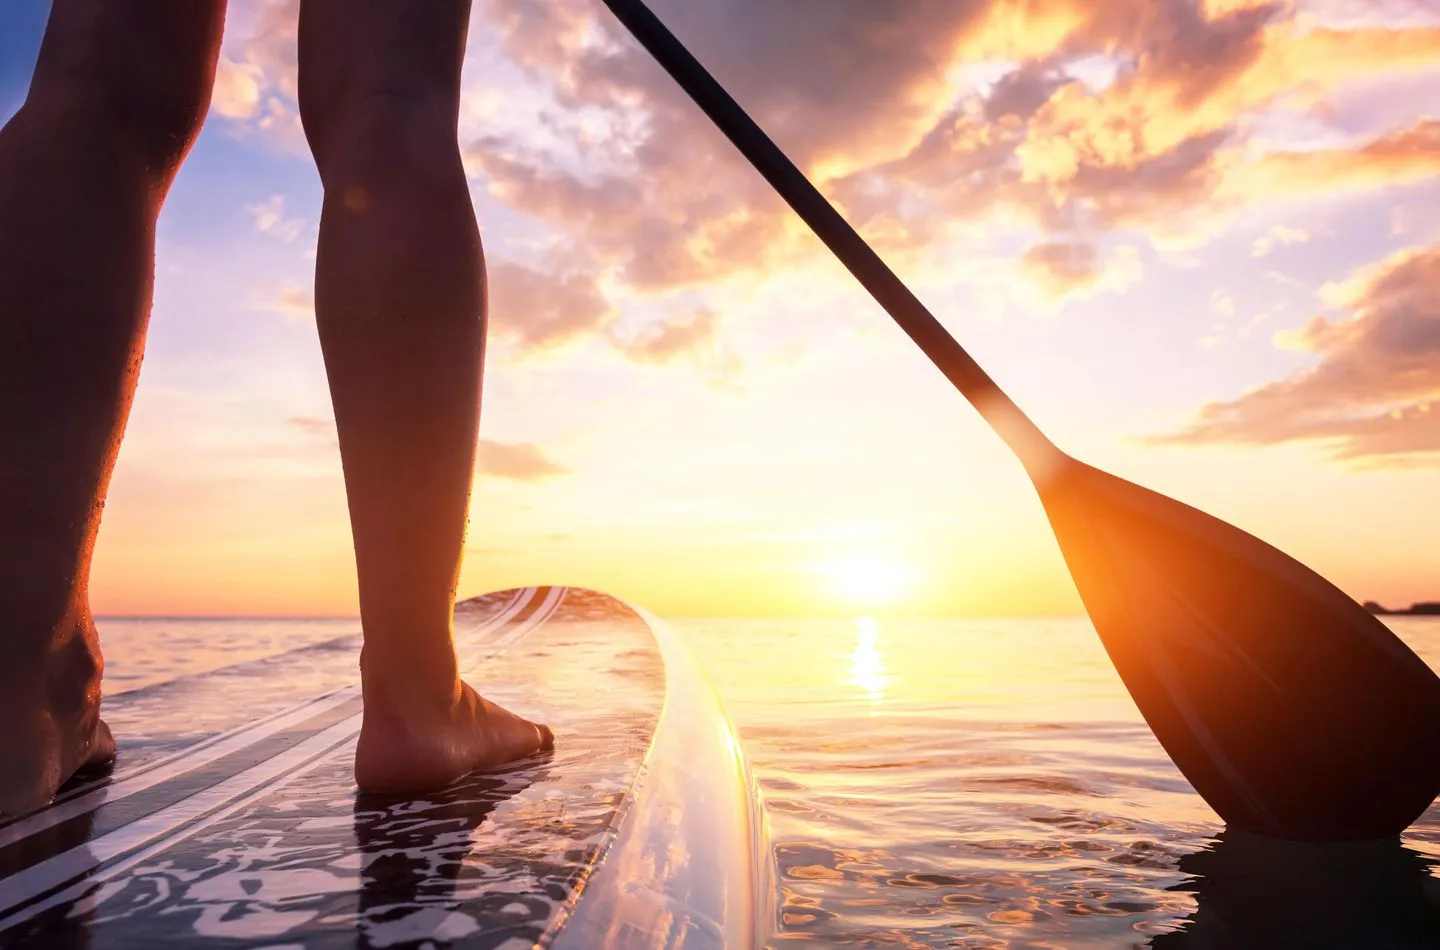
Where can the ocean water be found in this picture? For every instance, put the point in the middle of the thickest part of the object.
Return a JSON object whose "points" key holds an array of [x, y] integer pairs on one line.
{"points": [[969, 783]]}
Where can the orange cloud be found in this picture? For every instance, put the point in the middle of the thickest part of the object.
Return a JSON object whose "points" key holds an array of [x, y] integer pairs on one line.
{"points": [[1397, 158], [237, 89], [1278, 236], [662, 343], [1153, 144], [694, 339], [294, 303], [790, 64], [1061, 269], [1374, 393], [538, 309], [256, 83], [517, 461], [1200, 77], [1150, 143], [514, 461], [659, 233], [1131, 114], [663, 197]]}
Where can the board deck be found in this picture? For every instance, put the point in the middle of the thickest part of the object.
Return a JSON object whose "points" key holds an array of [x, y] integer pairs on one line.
{"points": [[230, 818]]}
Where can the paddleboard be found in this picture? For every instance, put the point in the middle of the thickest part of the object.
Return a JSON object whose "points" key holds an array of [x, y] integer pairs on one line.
{"points": [[231, 820]]}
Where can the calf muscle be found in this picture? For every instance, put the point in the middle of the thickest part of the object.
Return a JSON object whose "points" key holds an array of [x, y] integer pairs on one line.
{"points": [[119, 92]]}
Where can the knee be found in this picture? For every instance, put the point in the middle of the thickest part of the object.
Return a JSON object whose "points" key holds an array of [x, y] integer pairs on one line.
{"points": [[158, 122], [382, 136]]}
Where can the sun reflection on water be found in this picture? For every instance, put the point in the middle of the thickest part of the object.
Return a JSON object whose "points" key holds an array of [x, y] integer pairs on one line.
{"points": [[867, 665]]}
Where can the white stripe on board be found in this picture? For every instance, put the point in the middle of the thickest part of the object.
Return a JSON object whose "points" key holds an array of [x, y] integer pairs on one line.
{"points": [[552, 600], [55, 871], [127, 771], [211, 749], [524, 597], [172, 820], [125, 788]]}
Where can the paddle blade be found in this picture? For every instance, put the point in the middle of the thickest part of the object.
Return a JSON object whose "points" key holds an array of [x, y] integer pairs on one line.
{"points": [[1291, 710]]}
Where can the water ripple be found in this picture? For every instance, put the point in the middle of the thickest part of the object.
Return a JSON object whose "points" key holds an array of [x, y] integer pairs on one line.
{"points": [[997, 789], [1007, 794]]}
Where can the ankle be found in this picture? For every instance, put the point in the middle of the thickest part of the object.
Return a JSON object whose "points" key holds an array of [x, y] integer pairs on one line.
{"points": [[61, 682], [76, 672], [409, 678], [46, 632]]}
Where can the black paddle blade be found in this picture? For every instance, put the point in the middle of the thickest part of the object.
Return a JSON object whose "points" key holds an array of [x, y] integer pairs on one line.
{"points": [[1292, 710]]}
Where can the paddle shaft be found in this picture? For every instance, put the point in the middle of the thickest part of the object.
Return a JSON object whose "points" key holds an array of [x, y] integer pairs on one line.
{"points": [[831, 227]]}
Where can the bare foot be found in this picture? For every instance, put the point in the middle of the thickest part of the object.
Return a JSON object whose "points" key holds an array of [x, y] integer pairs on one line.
{"points": [[420, 746], [51, 711]]}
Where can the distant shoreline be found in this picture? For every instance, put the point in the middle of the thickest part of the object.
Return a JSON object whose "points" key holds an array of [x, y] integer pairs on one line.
{"points": [[1426, 609]]}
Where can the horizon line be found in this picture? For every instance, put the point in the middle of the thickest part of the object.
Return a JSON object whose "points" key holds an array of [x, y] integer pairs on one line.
{"points": [[667, 616]]}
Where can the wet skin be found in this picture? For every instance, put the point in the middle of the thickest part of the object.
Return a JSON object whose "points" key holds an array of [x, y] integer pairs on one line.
{"points": [[119, 94]]}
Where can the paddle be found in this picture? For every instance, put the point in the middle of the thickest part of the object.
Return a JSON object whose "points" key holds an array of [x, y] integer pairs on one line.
{"points": [[1291, 710]]}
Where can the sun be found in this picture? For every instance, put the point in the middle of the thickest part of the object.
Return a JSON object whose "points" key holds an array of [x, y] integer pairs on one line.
{"points": [[868, 580]]}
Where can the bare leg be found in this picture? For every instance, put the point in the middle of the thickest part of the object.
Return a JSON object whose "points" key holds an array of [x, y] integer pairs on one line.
{"points": [[119, 93], [399, 297]]}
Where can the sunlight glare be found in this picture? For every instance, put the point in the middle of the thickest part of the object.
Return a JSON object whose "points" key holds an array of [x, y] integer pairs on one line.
{"points": [[867, 667], [869, 580]]}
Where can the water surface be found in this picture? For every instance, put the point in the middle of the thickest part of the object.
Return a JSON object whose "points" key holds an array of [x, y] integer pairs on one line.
{"points": [[969, 783]]}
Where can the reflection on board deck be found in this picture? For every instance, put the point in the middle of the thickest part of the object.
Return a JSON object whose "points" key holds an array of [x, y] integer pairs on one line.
{"points": [[233, 821]]}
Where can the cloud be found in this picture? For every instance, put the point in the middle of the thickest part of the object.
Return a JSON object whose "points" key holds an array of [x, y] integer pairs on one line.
{"points": [[791, 65], [1185, 82], [1156, 148], [694, 339], [961, 170], [256, 84], [314, 427], [294, 303], [664, 342], [1399, 157], [237, 89], [860, 96], [1164, 145], [270, 218], [518, 461], [659, 195], [1021, 92], [655, 235], [1063, 269], [537, 309], [1127, 115], [1374, 392], [1060, 266], [1351, 13], [1278, 235]]}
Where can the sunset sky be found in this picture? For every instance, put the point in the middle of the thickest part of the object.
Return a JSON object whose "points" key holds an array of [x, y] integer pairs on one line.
{"points": [[1198, 240]]}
